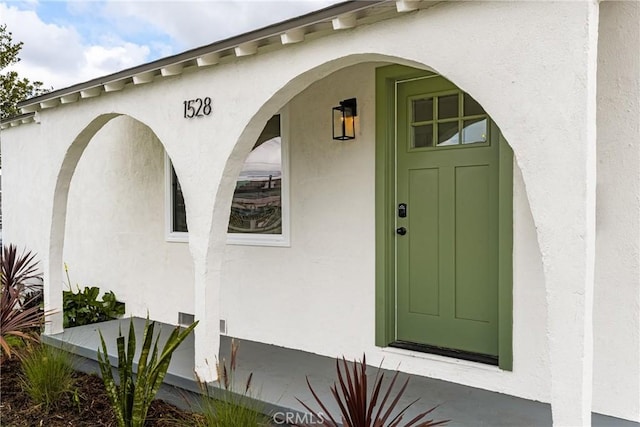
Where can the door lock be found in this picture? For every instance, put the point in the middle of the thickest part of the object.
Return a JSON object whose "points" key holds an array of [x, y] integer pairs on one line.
{"points": [[402, 210], [401, 231]]}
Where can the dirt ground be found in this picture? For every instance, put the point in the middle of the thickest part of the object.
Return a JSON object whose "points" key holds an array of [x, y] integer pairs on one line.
{"points": [[89, 407]]}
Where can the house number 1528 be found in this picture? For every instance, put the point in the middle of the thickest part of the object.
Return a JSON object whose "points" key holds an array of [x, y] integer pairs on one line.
{"points": [[197, 107]]}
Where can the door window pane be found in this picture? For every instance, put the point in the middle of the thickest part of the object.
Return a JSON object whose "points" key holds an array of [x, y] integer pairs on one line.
{"points": [[423, 110], [422, 136], [471, 106], [448, 106], [447, 120], [448, 133], [474, 130]]}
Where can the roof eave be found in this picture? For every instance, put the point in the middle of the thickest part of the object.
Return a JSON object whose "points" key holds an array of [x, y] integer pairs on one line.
{"points": [[279, 28]]}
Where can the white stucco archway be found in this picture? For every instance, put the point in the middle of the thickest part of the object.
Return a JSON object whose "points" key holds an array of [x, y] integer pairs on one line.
{"points": [[76, 151]]}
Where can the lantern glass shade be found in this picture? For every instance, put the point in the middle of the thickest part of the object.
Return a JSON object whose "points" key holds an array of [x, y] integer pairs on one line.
{"points": [[344, 125]]}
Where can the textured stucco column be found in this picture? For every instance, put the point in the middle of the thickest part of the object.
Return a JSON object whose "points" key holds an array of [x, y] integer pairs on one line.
{"points": [[52, 275], [568, 248], [616, 342], [200, 178], [207, 278], [207, 312]]}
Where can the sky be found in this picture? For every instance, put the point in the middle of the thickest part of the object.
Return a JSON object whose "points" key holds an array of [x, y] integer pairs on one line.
{"points": [[69, 42]]}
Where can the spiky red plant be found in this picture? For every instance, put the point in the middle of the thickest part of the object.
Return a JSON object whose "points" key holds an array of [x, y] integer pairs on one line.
{"points": [[357, 409], [20, 271], [20, 287]]}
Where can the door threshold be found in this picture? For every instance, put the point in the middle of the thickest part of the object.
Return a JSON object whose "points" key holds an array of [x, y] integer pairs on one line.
{"points": [[448, 352]]}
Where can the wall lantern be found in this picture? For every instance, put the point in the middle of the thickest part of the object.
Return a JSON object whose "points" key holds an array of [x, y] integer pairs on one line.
{"points": [[344, 120]]}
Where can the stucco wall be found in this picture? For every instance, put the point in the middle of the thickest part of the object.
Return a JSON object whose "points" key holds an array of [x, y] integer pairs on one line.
{"points": [[22, 196], [328, 294]]}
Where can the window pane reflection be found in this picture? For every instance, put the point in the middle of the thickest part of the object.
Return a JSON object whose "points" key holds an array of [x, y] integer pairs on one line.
{"points": [[179, 210], [448, 133], [474, 130], [257, 200]]}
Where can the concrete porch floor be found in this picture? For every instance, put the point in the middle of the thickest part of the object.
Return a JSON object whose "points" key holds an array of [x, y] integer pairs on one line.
{"points": [[279, 377]]}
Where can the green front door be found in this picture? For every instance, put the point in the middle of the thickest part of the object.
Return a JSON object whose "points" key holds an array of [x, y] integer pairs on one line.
{"points": [[446, 242]]}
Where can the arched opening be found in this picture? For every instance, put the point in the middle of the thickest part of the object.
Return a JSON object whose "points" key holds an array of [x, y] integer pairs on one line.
{"points": [[332, 256], [107, 224]]}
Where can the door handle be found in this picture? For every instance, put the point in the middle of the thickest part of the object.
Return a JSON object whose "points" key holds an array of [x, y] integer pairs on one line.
{"points": [[401, 231]]}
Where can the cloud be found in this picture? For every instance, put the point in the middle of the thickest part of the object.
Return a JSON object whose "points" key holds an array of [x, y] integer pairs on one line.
{"points": [[44, 44], [101, 60], [58, 55], [196, 23]]}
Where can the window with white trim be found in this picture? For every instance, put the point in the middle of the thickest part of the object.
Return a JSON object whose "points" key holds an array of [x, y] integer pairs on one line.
{"points": [[259, 210]]}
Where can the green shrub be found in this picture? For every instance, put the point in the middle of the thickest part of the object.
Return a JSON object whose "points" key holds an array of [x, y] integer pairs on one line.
{"points": [[231, 410], [228, 407], [47, 374], [132, 397], [84, 307], [15, 343]]}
